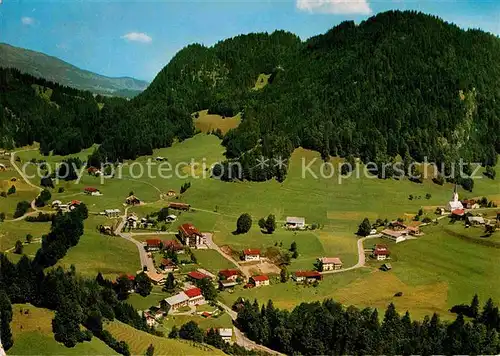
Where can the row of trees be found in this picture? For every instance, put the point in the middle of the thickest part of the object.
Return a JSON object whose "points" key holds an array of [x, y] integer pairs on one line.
{"points": [[329, 328]]}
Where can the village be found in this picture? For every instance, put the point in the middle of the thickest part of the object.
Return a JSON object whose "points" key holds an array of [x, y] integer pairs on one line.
{"points": [[168, 254]]}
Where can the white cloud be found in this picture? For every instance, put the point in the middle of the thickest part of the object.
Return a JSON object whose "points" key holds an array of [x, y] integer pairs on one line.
{"points": [[28, 21], [137, 37], [360, 7]]}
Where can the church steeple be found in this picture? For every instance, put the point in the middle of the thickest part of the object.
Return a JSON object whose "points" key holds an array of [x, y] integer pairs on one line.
{"points": [[455, 193]]}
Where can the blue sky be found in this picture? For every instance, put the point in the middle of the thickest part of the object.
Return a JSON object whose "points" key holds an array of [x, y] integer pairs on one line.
{"points": [[132, 38]]}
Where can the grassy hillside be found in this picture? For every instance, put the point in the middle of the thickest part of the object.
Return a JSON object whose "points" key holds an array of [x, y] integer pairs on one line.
{"points": [[54, 69], [32, 333], [140, 340]]}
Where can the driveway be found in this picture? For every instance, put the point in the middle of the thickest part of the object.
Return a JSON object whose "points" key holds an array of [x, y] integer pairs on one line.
{"points": [[211, 244]]}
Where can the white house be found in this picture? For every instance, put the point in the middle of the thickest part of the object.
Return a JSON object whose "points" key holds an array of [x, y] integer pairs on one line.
{"points": [[258, 281], [251, 254], [176, 301], [330, 263], [394, 235], [293, 222], [226, 334], [112, 213]]}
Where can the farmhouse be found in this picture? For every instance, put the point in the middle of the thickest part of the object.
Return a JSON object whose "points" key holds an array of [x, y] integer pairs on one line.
{"points": [[386, 267], [307, 276], [476, 220], [156, 278], [93, 171], [251, 254], [175, 302], [454, 203], [397, 226], [150, 320], [380, 252], [229, 274], [171, 193], [2, 167], [190, 236], [414, 231], [329, 263], [73, 204], [179, 206], [227, 284], [195, 296], [112, 213], [226, 334], [396, 236], [470, 204], [132, 200], [293, 222], [153, 244], [91, 191], [160, 159], [168, 265], [132, 221], [197, 276], [258, 281], [106, 230], [173, 245], [171, 218]]}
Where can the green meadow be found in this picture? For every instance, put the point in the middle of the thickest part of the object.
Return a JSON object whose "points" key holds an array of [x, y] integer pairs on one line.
{"points": [[336, 205]]}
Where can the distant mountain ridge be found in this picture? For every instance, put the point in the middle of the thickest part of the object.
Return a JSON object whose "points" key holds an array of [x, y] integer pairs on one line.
{"points": [[54, 69]]}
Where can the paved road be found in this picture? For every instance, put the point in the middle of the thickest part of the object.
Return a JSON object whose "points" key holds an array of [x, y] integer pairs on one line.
{"points": [[361, 256], [241, 339], [211, 244], [145, 259]]}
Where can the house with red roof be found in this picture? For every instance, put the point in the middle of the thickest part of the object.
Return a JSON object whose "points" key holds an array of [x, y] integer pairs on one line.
{"points": [[251, 254], [195, 296], [190, 235], [307, 276], [153, 244], [91, 191], [381, 252], [258, 281], [229, 274], [197, 276]]}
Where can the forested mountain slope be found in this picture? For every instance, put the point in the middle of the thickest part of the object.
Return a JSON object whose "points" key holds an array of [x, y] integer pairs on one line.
{"points": [[399, 83], [56, 70]]}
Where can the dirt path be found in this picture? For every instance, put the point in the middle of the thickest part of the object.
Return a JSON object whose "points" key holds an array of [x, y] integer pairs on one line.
{"points": [[211, 244]]}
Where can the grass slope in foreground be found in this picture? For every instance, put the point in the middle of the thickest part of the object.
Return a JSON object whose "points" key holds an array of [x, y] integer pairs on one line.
{"points": [[139, 341], [32, 333]]}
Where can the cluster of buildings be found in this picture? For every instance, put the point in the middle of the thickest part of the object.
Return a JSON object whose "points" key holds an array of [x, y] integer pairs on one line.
{"points": [[186, 298], [398, 232], [60, 206]]}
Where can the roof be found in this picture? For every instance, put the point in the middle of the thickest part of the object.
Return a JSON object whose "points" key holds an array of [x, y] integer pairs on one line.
{"points": [[307, 274], [172, 244], [91, 189], [75, 202], [330, 260], [206, 314], [176, 299], [229, 272], [381, 250], [251, 252], [193, 292], [397, 223], [153, 242], [197, 275], [295, 220], [179, 205], [225, 332], [392, 233], [156, 277], [226, 284], [56, 202], [167, 262], [458, 212], [413, 228], [189, 229], [172, 216], [112, 211], [92, 169], [478, 219], [129, 277], [260, 278]]}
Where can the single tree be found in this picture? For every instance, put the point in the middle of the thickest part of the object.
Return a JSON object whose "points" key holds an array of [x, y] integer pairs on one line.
{"points": [[364, 228], [262, 223], [474, 306], [12, 190], [244, 223], [18, 249], [271, 223], [169, 283], [284, 275], [29, 238], [143, 284], [150, 351]]}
